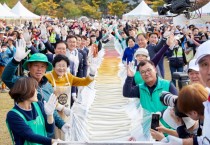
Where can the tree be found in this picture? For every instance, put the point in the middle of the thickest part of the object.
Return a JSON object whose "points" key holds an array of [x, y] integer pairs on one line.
{"points": [[117, 8], [155, 3], [48, 8], [91, 10], [71, 10], [10, 3], [28, 1]]}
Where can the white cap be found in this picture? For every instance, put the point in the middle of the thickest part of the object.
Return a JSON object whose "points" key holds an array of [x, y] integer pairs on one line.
{"points": [[142, 51], [171, 122], [203, 50], [193, 66]]}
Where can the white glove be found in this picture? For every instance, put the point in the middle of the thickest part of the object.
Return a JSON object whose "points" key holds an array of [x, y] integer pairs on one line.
{"points": [[21, 50], [132, 67], [49, 107], [171, 140], [56, 141], [63, 32], [74, 96], [166, 34], [4, 49], [59, 107], [171, 41], [65, 128], [26, 36], [93, 69], [131, 70], [43, 31], [67, 111]]}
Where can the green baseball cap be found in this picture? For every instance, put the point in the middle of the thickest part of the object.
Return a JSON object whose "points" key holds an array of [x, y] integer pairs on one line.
{"points": [[38, 57]]}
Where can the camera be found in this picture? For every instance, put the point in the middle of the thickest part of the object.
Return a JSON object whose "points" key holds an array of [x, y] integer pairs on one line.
{"points": [[169, 99], [182, 78], [176, 7]]}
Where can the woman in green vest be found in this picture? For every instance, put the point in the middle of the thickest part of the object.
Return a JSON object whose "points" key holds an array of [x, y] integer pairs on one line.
{"points": [[29, 121]]}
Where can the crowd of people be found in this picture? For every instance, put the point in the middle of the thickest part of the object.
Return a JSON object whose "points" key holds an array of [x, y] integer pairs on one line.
{"points": [[41, 63]]}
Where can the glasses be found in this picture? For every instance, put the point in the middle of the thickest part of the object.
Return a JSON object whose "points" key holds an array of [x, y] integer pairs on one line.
{"points": [[206, 141], [146, 71]]}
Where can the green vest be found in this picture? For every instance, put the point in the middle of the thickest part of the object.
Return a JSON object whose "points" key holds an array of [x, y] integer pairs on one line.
{"points": [[138, 78], [52, 38], [37, 125], [179, 52], [152, 102]]}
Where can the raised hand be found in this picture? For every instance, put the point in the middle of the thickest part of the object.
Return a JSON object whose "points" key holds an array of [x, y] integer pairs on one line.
{"points": [[93, 66], [166, 34], [21, 52], [43, 31], [171, 41], [131, 69], [49, 106], [26, 36]]}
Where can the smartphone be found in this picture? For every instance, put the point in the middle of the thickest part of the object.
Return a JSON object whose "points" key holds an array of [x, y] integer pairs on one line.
{"points": [[155, 121]]}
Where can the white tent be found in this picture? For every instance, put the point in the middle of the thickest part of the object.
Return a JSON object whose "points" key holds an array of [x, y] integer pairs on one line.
{"points": [[205, 9], [6, 14], [142, 10], [182, 20], [5, 5], [24, 13]]}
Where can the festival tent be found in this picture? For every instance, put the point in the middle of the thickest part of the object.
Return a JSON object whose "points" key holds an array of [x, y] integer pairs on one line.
{"points": [[6, 14], [23, 12], [141, 11], [205, 9], [5, 5]]}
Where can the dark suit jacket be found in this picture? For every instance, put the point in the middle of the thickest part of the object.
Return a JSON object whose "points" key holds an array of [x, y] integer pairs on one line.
{"points": [[85, 65], [49, 47], [80, 67], [86, 50]]}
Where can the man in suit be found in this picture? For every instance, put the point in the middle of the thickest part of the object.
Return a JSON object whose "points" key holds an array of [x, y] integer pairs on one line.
{"points": [[84, 54], [60, 48]]}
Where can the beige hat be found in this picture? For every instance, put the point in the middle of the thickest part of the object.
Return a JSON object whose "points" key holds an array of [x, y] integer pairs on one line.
{"points": [[142, 51]]}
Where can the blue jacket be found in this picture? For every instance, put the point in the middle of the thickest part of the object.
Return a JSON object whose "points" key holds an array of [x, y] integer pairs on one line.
{"points": [[129, 53], [44, 90], [6, 56]]}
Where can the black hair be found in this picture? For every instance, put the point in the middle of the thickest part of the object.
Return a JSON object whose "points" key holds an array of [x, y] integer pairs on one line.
{"points": [[60, 57], [71, 36], [60, 43], [144, 62], [153, 33], [143, 34], [92, 36], [130, 37]]}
